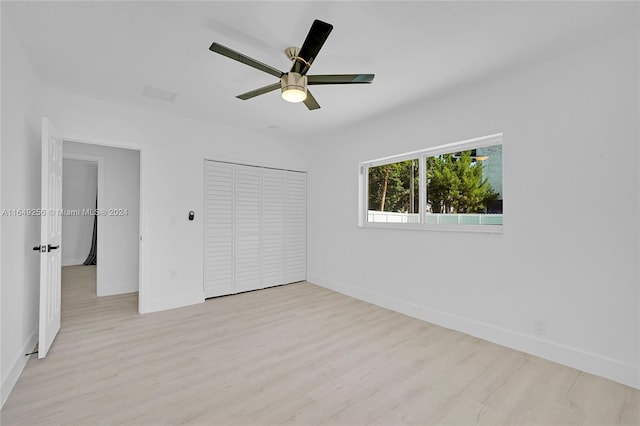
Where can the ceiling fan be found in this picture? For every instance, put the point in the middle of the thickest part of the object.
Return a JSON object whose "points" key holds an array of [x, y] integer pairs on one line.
{"points": [[294, 83]]}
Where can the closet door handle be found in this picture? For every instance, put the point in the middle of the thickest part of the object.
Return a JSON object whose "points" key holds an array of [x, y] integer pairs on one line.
{"points": [[50, 247]]}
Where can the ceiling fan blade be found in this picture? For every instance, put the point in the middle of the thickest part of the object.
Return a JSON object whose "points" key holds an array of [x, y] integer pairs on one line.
{"points": [[229, 53], [311, 102], [312, 44], [340, 79], [260, 91]]}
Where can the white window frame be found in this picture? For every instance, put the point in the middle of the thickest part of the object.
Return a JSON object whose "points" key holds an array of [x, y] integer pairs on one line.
{"points": [[422, 155]]}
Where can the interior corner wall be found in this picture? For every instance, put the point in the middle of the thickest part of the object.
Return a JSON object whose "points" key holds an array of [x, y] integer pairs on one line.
{"points": [[568, 254], [172, 181], [20, 168], [120, 232], [79, 192]]}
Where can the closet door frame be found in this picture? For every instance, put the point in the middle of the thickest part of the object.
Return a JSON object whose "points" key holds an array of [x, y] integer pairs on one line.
{"points": [[286, 171]]}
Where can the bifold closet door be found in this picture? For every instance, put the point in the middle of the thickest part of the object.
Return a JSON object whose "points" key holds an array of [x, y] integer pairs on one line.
{"points": [[248, 194], [296, 227], [273, 203], [218, 228], [255, 228]]}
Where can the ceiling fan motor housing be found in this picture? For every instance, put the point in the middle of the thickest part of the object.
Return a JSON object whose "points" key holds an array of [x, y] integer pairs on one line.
{"points": [[294, 87]]}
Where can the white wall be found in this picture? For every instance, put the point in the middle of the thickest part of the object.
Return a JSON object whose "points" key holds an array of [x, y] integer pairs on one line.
{"points": [[570, 145], [79, 191], [173, 150], [20, 177], [119, 272]]}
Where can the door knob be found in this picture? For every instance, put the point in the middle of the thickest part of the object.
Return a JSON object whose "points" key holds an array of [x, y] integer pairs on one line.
{"points": [[46, 248]]}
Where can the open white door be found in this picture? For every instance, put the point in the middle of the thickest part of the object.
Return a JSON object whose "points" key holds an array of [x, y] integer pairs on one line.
{"points": [[50, 237]]}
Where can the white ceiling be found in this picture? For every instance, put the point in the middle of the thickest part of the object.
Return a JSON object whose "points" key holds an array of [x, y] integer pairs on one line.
{"points": [[112, 50]]}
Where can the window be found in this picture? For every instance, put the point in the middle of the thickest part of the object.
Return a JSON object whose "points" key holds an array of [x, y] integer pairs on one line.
{"points": [[454, 186], [394, 192]]}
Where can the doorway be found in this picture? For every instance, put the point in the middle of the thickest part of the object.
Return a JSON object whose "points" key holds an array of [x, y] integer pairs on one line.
{"points": [[101, 222]]}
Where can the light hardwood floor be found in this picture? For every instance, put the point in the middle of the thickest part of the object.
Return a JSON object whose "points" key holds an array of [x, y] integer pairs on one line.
{"points": [[296, 354]]}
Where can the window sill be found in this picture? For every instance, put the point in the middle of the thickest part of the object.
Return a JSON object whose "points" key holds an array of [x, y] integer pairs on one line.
{"points": [[482, 229]]}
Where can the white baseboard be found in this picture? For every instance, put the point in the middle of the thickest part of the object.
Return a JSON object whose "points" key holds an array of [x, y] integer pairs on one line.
{"points": [[18, 365], [172, 302], [612, 369]]}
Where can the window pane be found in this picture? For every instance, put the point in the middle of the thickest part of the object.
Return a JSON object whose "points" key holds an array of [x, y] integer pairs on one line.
{"points": [[465, 187], [393, 192]]}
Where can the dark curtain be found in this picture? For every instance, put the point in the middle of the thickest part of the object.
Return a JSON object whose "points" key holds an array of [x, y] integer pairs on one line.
{"points": [[92, 257]]}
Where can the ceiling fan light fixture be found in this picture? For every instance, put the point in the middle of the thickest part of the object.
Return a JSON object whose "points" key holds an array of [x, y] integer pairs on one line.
{"points": [[294, 87]]}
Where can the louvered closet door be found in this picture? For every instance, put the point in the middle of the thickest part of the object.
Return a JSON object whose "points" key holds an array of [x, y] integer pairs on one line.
{"points": [[247, 228], [218, 228], [273, 203], [296, 227]]}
